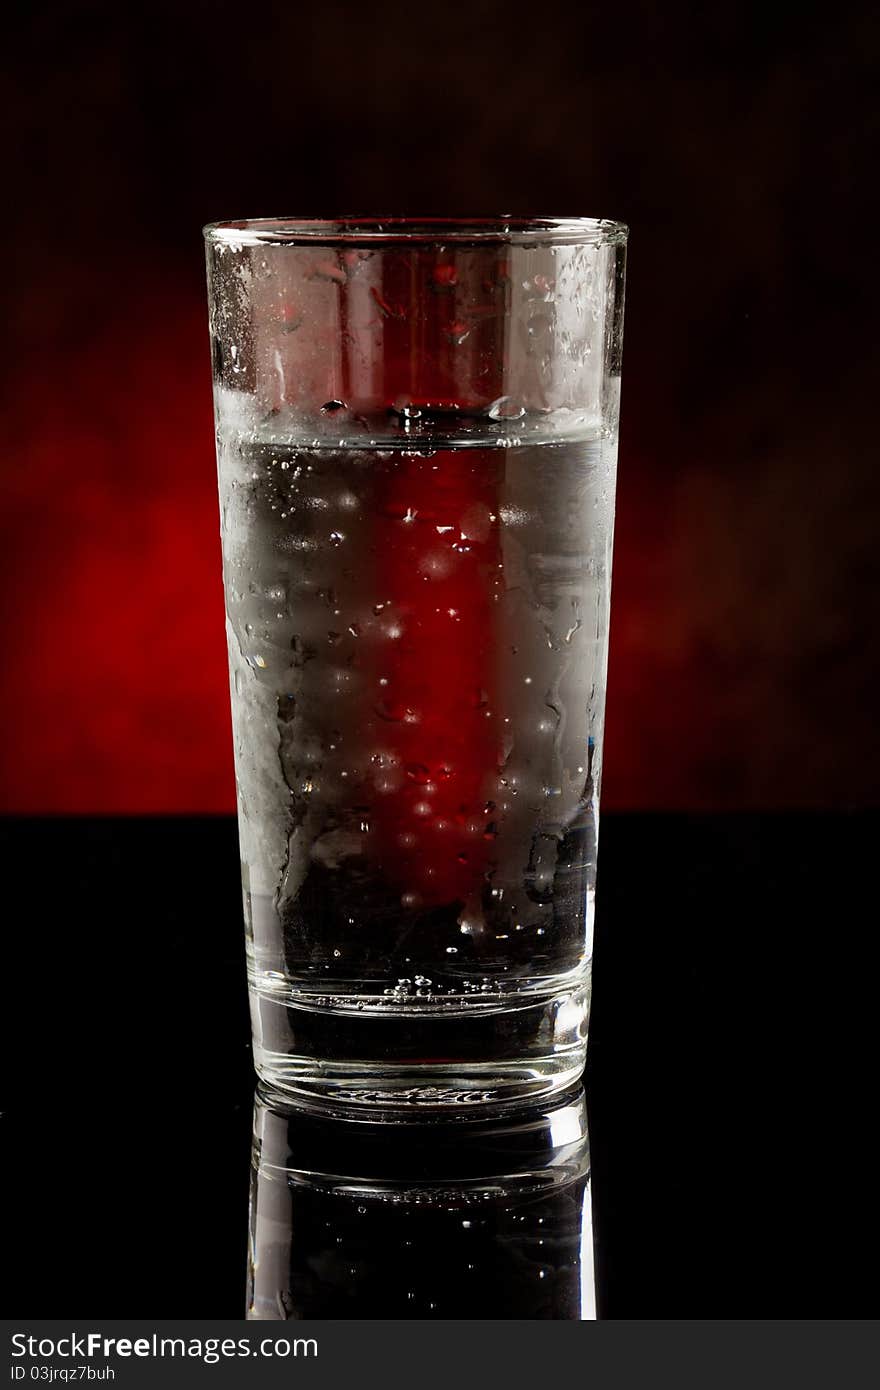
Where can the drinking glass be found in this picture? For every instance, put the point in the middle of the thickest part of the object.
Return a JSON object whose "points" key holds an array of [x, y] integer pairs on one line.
{"points": [[417, 442]]}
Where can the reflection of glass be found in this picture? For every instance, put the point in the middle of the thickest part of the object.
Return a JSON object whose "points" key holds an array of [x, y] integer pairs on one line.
{"points": [[417, 443], [420, 1219]]}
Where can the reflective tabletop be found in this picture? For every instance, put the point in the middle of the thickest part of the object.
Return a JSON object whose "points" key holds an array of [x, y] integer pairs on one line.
{"points": [[713, 1167]]}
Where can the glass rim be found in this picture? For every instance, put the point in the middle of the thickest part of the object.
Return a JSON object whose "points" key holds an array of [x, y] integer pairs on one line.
{"points": [[323, 231]]}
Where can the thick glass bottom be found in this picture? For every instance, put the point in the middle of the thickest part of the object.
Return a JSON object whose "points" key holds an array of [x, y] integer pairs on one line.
{"points": [[409, 1057]]}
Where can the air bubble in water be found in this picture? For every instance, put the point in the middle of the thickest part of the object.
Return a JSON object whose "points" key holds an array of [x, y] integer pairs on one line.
{"points": [[417, 772]]}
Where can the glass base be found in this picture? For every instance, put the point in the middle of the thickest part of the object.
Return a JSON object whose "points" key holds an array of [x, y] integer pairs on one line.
{"points": [[409, 1058]]}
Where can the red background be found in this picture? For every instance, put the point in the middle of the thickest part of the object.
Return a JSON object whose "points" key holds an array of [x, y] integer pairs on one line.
{"points": [[744, 657]]}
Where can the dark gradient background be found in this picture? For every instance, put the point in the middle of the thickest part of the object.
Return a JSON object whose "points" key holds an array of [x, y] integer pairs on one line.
{"points": [[736, 141]]}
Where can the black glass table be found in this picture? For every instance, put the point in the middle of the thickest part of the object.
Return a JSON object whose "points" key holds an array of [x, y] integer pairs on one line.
{"points": [[726, 1103]]}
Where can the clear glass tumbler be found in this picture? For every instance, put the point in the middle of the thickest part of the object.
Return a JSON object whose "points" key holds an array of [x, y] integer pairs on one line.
{"points": [[417, 442]]}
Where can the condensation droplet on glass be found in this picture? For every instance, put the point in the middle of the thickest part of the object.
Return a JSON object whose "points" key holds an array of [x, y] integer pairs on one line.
{"points": [[506, 408], [404, 407]]}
